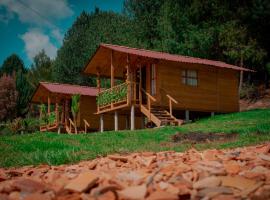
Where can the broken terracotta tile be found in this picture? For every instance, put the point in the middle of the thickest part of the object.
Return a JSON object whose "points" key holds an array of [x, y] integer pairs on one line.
{"points": [[211, 181], [237, 182], [134, 192], [83, 182], [117, 157], [29, 185], [162, 195]]}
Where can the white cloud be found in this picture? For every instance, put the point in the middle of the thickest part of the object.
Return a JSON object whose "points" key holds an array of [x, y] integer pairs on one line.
{"points": [[57, 35], [38, 12], [35, 41]]}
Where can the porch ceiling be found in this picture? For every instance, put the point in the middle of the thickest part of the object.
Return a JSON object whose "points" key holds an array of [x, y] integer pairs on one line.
{"points": [[101, 62]]}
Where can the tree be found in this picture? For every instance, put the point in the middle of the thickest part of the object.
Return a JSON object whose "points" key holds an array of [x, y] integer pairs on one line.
{"points": [[8, 97], [239, 48], [82, 39], [13, 63], [41, 69], [75, 107]]}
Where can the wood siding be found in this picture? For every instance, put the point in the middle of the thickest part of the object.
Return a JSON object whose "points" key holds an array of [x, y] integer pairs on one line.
{"points": [[217, 88]]}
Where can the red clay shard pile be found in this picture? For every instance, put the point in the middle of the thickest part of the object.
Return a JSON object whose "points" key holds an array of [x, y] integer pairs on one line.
{"points": [[241, 173]]}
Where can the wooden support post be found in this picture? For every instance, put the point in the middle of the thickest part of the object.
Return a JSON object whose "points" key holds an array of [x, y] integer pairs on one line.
{"points": [[101, 123], [66, 112], [49, 105], [127, 122], [63, 113], [212, 114], [132, 117], [142, 122], [112, 70], [56, 111], [116, 121], [187, 115]]}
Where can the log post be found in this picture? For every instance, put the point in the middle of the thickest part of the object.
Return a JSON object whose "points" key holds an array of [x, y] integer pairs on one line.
{"points": [[56, 110], [116, 121], [132, 117], [49, 105], [187, 115], [101, 123]]}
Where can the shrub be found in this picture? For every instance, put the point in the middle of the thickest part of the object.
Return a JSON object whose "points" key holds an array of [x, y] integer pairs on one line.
{"points": [[27, 125], [248, 91]]}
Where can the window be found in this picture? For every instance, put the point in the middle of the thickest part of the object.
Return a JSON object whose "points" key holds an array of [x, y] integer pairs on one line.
{"points": [[190, 77], [153, 79]]}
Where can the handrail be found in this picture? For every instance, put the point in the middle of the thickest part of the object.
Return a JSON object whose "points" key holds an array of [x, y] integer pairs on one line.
{"points": [[171, 99], [86, 124], [149, 95], [71, 123]]}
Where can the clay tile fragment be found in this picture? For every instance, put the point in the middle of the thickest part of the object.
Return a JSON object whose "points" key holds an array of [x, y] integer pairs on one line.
{"points": [[134, 192], [29, 185], [212, 181], [117, 157], [83, 182], [162, 195]]}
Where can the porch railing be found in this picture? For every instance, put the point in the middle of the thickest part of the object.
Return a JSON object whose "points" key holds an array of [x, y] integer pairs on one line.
{"points": [[114, 97]]}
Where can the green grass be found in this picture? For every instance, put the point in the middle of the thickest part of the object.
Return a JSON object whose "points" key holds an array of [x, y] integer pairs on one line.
{"points": [[253, 127]]}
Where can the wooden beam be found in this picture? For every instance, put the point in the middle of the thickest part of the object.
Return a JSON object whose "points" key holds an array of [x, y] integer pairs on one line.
{"points": [[112, 70]]}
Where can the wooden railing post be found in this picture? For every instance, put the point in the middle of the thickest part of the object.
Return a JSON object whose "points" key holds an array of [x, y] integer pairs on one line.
{"points": [[171, 100]]}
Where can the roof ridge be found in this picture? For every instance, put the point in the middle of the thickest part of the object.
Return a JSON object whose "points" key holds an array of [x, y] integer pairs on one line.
{"points": [[161, 52]]}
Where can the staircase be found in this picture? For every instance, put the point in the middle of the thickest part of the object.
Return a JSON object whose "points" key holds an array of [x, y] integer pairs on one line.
{"points": [[159, 116], [164, 116], [156, 114]]}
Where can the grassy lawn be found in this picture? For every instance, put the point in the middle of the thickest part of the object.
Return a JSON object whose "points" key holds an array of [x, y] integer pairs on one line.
{"points": [[17, 150]]}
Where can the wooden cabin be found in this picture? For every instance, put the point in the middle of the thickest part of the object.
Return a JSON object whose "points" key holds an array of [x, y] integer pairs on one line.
{"points": [[57, 98], [163, 88]]}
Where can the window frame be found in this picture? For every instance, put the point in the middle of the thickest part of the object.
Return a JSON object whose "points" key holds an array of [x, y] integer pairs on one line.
{"points": [[187, 79]]}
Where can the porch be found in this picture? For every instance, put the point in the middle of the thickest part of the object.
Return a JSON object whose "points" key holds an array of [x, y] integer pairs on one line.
{"points": [[54, 101]]}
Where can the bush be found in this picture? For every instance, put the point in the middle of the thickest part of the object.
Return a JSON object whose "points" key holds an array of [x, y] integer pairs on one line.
{"points": [[248, 91], [20, 126]]}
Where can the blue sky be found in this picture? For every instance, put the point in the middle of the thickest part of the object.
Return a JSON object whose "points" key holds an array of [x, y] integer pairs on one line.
{"points": [[27, 26]]}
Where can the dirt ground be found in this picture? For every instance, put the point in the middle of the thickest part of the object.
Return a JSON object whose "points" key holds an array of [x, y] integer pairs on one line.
{"points": [[261, 102], [241, 173]]}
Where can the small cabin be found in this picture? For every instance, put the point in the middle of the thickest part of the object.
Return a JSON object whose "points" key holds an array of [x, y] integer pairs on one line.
{"points": [[161, 88], [56, 99]]}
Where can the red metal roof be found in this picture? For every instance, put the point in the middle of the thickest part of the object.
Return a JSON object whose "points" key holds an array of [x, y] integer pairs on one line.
{"points": [[172, 57], [70, 89]]}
